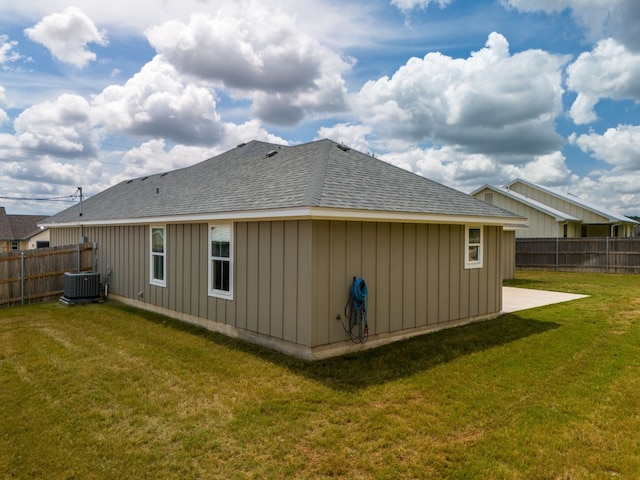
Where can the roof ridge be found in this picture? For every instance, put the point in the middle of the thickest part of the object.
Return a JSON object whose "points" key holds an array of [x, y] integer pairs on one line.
{"points": [[318, 175]]}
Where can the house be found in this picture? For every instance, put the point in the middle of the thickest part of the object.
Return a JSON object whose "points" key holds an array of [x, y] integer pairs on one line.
{"points": [[264, 242], [21, 232], [552, 214]]}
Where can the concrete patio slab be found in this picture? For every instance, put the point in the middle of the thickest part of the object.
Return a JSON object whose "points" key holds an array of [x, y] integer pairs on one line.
{"points": [[515, 299]]}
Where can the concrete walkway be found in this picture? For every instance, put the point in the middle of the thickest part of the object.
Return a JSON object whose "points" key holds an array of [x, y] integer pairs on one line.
{"points": [[514, 299]]}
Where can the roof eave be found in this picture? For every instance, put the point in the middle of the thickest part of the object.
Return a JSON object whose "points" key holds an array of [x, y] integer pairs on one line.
{"points": [[311, 213]]}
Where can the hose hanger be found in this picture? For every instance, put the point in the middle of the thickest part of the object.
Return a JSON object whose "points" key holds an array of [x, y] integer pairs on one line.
{"points": [[356, 311]]}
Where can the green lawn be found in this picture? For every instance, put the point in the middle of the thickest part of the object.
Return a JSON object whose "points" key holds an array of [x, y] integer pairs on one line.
{"points": [[107, 391]]}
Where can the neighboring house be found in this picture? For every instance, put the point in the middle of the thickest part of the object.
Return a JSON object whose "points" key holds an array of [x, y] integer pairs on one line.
{"points": [[263, 242], [21, 232], [552, 214]]}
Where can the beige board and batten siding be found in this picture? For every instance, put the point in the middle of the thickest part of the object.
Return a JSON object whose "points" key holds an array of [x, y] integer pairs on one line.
{"points": [[587, 216], [508, 253], [414, 272], [272, 274], [540, 224], [292, 277]]}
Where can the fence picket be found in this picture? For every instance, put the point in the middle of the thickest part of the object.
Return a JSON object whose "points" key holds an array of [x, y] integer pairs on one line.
{"points": [[38, 275], [590, 254]]}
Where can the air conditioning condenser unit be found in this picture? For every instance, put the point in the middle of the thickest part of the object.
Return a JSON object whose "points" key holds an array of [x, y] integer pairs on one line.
{"points": [[81, 287]]}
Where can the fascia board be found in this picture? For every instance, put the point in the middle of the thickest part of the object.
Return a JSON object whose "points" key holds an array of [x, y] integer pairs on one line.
{"points": [[312, 213]]}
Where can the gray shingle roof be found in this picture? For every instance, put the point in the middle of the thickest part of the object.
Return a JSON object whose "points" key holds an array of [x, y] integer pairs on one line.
{"points": [[541, 207], [18, 227], [610, 215], [261, 176]]}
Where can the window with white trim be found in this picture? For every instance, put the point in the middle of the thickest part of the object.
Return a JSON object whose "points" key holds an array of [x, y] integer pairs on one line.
{"points": [[15, 245], [221, 261], [158, 261], [473, 247]]}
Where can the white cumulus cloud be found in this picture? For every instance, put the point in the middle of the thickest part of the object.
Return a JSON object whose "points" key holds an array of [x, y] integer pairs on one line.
{"points": [[260, 54], [67, 34], [549, 170], [492, 102], [410, 4], [608, 71], [62, 127], [352, 135], [618, 146], [619, 19], [3, 115], [159, 102], [7, 50]]}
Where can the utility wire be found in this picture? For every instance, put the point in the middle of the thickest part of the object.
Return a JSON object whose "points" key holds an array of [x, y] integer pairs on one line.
{"points": [[66, 198]]}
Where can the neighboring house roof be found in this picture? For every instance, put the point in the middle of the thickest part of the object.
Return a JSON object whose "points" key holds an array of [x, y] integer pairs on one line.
{"points": [[612, 217], [541, 207], [320, 179], [19, 227]]}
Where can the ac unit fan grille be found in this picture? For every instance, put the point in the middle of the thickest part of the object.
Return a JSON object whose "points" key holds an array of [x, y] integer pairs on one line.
{"points": [[81, 285]]}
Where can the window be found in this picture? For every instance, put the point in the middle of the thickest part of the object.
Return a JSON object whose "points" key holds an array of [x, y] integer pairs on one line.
{"points": [[220, 261], [158, 257], [15, 245], [473, 247]]}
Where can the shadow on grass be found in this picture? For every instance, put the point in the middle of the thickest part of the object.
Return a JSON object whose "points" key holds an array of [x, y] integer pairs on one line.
{"points": [[379, 365]]}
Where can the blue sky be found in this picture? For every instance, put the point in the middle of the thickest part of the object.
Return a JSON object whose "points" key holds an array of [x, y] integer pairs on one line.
{"points": [[465, 93]]}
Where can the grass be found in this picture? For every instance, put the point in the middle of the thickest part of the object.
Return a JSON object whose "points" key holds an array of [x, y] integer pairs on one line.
{"points": [[107, 391]]}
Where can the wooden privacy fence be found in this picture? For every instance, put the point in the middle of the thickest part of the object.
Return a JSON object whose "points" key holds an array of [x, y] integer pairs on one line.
{"points": [[590, 254], [36, 275]]}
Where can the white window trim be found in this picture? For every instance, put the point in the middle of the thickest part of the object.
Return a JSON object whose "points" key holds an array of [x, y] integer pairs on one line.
{"points": [[468, 264], [152, 280], [213, 292]]}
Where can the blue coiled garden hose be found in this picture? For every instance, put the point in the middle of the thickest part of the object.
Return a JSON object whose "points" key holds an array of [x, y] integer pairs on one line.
{"points": [[356, 311]]}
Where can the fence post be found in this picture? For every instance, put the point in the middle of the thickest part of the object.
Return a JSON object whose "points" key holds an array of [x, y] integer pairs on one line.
{"points": [[21, 278], [95, 256], [79, 257], [607, 256], [557, 253]]}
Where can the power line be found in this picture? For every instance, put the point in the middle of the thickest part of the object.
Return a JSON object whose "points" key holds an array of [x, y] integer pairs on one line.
{"points": [[66, 198]]}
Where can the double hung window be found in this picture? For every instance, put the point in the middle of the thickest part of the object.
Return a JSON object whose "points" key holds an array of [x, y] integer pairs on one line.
{"points": [[473, 247], [220, 261], [158, 257]]}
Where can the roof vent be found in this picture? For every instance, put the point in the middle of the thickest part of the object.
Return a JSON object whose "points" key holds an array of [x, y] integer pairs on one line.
{"points": [[143, 179], [129, 181], [165, 173], [241, 145], [271, 153], [343, 147]]}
